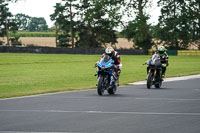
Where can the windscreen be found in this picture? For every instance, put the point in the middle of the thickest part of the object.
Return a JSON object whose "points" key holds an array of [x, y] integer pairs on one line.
{"points": [[156, 60], [106, 58]]}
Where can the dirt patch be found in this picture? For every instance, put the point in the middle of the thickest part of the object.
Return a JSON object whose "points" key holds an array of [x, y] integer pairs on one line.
{"points": [[51, 42], [39, 41]]}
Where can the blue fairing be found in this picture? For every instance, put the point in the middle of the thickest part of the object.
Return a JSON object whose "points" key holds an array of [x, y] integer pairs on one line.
{"points": [[104, 63]]}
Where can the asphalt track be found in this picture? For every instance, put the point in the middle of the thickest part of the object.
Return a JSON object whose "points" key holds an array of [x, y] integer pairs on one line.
{"points": [[175, 108]]}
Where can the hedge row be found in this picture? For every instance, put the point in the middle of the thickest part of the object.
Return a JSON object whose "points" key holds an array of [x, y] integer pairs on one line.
{"points": [[178, 52], [33, 34], [41, 34]]}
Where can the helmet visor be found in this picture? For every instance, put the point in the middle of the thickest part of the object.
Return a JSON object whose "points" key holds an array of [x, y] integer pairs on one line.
{"points": [[161, 52]]}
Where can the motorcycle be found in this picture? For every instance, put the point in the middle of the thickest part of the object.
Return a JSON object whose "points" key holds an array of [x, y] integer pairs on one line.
{"points": [[106, 76], [154, 72]]}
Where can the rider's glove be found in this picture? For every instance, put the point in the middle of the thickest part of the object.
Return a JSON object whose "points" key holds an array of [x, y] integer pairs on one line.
{"points": [[95, 65], [144, 63], [116, 67]]}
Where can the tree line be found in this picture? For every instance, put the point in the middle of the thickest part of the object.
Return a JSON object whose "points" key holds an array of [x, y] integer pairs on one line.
{"points": [[93, 23], [10, 23]]}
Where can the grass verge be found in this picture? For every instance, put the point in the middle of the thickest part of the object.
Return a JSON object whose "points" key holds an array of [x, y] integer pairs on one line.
{"points": [[28, 74]]}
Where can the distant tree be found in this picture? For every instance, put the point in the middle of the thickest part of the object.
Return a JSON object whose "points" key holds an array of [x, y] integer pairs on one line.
{"points": [[90, 22], [99, 18], [138, 6], [69, 5], [22, 21], [4, 16], [194, 13], [37, 24], [64, 15], [169, 21], [7, 23], [62, 24], [179, 22], [138, 30]]}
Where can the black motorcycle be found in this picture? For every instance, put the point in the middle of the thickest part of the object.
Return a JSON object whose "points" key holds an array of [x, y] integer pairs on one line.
{"points": [[154, 72]]}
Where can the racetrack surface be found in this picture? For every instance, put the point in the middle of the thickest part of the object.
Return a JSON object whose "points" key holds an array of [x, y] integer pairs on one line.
{"points": [[174, 108]]}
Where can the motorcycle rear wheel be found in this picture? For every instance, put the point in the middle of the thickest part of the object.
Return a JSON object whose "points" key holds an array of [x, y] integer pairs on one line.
{"points": [[158, 85], [112, 90]]}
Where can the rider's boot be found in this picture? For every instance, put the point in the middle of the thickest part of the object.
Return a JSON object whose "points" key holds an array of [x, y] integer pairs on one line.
{"points": [[163, 75], [112, 81]]}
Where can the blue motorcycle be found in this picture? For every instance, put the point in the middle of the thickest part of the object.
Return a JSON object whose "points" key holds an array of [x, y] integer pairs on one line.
{"points": [[106, 76]]}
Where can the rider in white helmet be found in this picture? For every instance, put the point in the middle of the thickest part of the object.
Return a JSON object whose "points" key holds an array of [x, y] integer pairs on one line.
{"points": [[117, 62], [115, 56]]}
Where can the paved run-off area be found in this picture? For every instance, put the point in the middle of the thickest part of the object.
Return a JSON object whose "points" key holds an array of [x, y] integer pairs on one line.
{"points": [[174, 108]]}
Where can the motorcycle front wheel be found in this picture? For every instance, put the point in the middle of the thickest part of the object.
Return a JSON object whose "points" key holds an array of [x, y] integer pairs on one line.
{"points": [[100, 86], [149, 80]]}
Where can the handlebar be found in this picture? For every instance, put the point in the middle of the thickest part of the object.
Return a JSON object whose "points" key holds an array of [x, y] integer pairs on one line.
{"points": [[144, 63]]}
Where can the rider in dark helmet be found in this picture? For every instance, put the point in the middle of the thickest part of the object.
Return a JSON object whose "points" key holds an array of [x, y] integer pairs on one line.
{"points": [[164, 59]]}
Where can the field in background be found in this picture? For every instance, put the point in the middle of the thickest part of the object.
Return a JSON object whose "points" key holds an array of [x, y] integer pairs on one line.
{"points": [[51, 42], [47, 39], [28, 74]]}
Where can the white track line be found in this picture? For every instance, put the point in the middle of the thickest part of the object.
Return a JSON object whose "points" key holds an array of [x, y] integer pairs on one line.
{"points": [[46, 94], [168, 99], [36, 132], [170, 79], [104, 112]]}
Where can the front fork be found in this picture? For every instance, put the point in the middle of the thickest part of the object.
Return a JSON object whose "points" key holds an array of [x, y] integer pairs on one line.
{"points": [[155, 76], [106, 80], [154, 73]]}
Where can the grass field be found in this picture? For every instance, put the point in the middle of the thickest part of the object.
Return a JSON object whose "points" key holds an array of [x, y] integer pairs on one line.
{"points": [[28, 74]]}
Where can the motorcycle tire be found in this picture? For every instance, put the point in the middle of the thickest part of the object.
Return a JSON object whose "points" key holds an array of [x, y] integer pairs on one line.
{"points": [[100, 89], [149, 80], [112, 90], [158, 85]]}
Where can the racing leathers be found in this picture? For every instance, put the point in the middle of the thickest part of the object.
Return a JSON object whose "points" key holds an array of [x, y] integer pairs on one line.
{"points": [[164, 60], [117, 66], [117, 62]]}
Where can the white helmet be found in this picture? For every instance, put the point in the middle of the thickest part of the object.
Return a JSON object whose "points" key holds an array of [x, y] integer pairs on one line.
{"points": [[109, 50]]}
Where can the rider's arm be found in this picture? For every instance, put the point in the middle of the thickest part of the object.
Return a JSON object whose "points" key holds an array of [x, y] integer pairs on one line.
{"points": [[119, 62], [166, 59]]}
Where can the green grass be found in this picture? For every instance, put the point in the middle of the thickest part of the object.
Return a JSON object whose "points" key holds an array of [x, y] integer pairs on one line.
{"points": [[43, 34], [28, 74], [33, 34]]}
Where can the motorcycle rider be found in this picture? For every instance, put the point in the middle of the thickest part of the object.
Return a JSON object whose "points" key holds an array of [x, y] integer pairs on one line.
{"points": [[117, 63], [115, 56], [163, 58]]}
